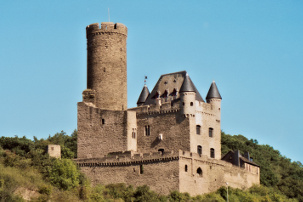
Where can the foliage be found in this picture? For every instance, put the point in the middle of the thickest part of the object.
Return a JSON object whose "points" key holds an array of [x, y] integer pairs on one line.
{"points": [[277, 171], [64, 174], [25, 163]]}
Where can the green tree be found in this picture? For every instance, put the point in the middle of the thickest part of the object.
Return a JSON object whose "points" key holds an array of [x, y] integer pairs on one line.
{"points": [[64, 174]]}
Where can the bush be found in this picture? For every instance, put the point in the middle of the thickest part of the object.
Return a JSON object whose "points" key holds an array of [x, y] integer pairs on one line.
{"points": [[64, 174]]}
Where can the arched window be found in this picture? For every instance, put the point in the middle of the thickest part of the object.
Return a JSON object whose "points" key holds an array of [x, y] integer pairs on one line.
{"points": [[210, 132], [199, 172], [161, 151], [185, 168], [199, 149], [198, 129], [191, 104], [212, 153]]}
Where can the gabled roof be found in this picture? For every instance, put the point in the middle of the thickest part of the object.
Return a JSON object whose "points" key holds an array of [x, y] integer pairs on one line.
{"points": [[170, 83], [213, 92], [143, 95]]}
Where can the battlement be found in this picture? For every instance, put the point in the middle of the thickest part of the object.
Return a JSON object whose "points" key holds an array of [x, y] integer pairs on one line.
{"points": [[106, 27], [131, 158]]}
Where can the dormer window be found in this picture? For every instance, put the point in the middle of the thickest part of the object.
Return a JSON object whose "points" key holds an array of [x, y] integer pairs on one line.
{"points": [[174, 93], [164, 95], [156, 96]]}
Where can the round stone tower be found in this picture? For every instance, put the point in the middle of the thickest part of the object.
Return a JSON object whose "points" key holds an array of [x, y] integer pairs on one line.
{"points": [[106, 64]]}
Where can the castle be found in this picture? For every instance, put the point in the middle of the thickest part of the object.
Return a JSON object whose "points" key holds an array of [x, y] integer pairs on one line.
{"points": [[170, 141]]}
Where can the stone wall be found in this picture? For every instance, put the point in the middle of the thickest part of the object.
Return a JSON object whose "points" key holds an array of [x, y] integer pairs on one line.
{"points": [[100, 131], [106, 64], [182, 171], [215, 174], [54, 150], [159, 172], [173, 127]]}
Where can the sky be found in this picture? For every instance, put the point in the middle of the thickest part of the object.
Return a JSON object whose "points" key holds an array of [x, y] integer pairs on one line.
{"points": [[252, 49]]}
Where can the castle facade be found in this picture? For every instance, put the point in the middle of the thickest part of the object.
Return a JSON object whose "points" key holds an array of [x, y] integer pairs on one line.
{"points": [[170, 141]]}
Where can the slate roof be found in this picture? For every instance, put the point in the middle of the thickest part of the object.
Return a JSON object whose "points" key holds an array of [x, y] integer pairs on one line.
{"points": [[143, 95], [213, 92], [169, 85]]}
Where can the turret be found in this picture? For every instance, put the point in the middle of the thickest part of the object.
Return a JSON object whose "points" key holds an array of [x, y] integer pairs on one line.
{"points": [[187, 96], [106, 64], [143, 95], [214, 98]]}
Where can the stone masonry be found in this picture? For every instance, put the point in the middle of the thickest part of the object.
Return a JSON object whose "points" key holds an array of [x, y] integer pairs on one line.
{"points": [[170, 141]]}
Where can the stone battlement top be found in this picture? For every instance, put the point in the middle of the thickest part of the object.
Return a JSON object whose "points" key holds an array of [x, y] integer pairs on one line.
{"points": [[95, 28]]}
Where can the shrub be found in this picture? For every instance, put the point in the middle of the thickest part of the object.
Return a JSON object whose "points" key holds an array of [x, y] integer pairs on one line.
{"points": [[64, 174]]}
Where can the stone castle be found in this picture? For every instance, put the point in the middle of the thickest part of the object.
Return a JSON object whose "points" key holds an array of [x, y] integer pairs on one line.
{"points": [[170, 141]]}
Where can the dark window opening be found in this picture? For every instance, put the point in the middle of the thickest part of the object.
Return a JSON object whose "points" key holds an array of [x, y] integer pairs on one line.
{"points": [[183, 103], [161, 151], [156, 96], [134, 133], [210, 132], [147, 130], [141, 169], [164, 95], [191, 104], [103, 121], [174, 93], [199, 172], [212, 153], [199, 149], [185, 168], [198, 129]]}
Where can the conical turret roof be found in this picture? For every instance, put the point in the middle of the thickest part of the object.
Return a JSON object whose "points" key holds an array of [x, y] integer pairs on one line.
{"points": [[187, 85], [213, 92], [144, 94]]}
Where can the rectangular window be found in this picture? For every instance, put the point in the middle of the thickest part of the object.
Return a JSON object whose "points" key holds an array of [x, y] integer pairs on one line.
{"points": [[212, 153], [147, 130], [134, 133], [198, 129], [199, 149], [210, 131]]}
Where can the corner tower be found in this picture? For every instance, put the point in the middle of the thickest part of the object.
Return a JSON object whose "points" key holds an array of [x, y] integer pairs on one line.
{"points": [[107, 65]]}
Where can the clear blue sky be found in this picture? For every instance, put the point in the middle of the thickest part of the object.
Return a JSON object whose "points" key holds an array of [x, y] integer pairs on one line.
{"points": [[252, 49]]}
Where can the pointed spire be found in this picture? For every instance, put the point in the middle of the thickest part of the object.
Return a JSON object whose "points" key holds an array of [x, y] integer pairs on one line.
{"points": [[144, 94], [187, 85], [213, 92]]}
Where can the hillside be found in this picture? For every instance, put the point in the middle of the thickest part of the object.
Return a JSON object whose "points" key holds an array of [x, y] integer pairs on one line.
{"points": [[27, 172]]}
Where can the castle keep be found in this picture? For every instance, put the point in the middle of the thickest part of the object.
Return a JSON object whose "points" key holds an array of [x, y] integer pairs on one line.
{"points": [[170, 141]]}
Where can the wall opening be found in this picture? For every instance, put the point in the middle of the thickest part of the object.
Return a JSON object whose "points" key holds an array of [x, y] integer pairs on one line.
{"points": [[212, 153], [198, 129], [199, 172], [161, 151], [141, 169], [185, 168], [103, 121], [199, 149], [134, 133], [147, 130], [191, 104], [210, 132]]}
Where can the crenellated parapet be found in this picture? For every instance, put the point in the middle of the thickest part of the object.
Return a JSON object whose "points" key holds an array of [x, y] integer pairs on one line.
{"points": [[105, 28]]}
